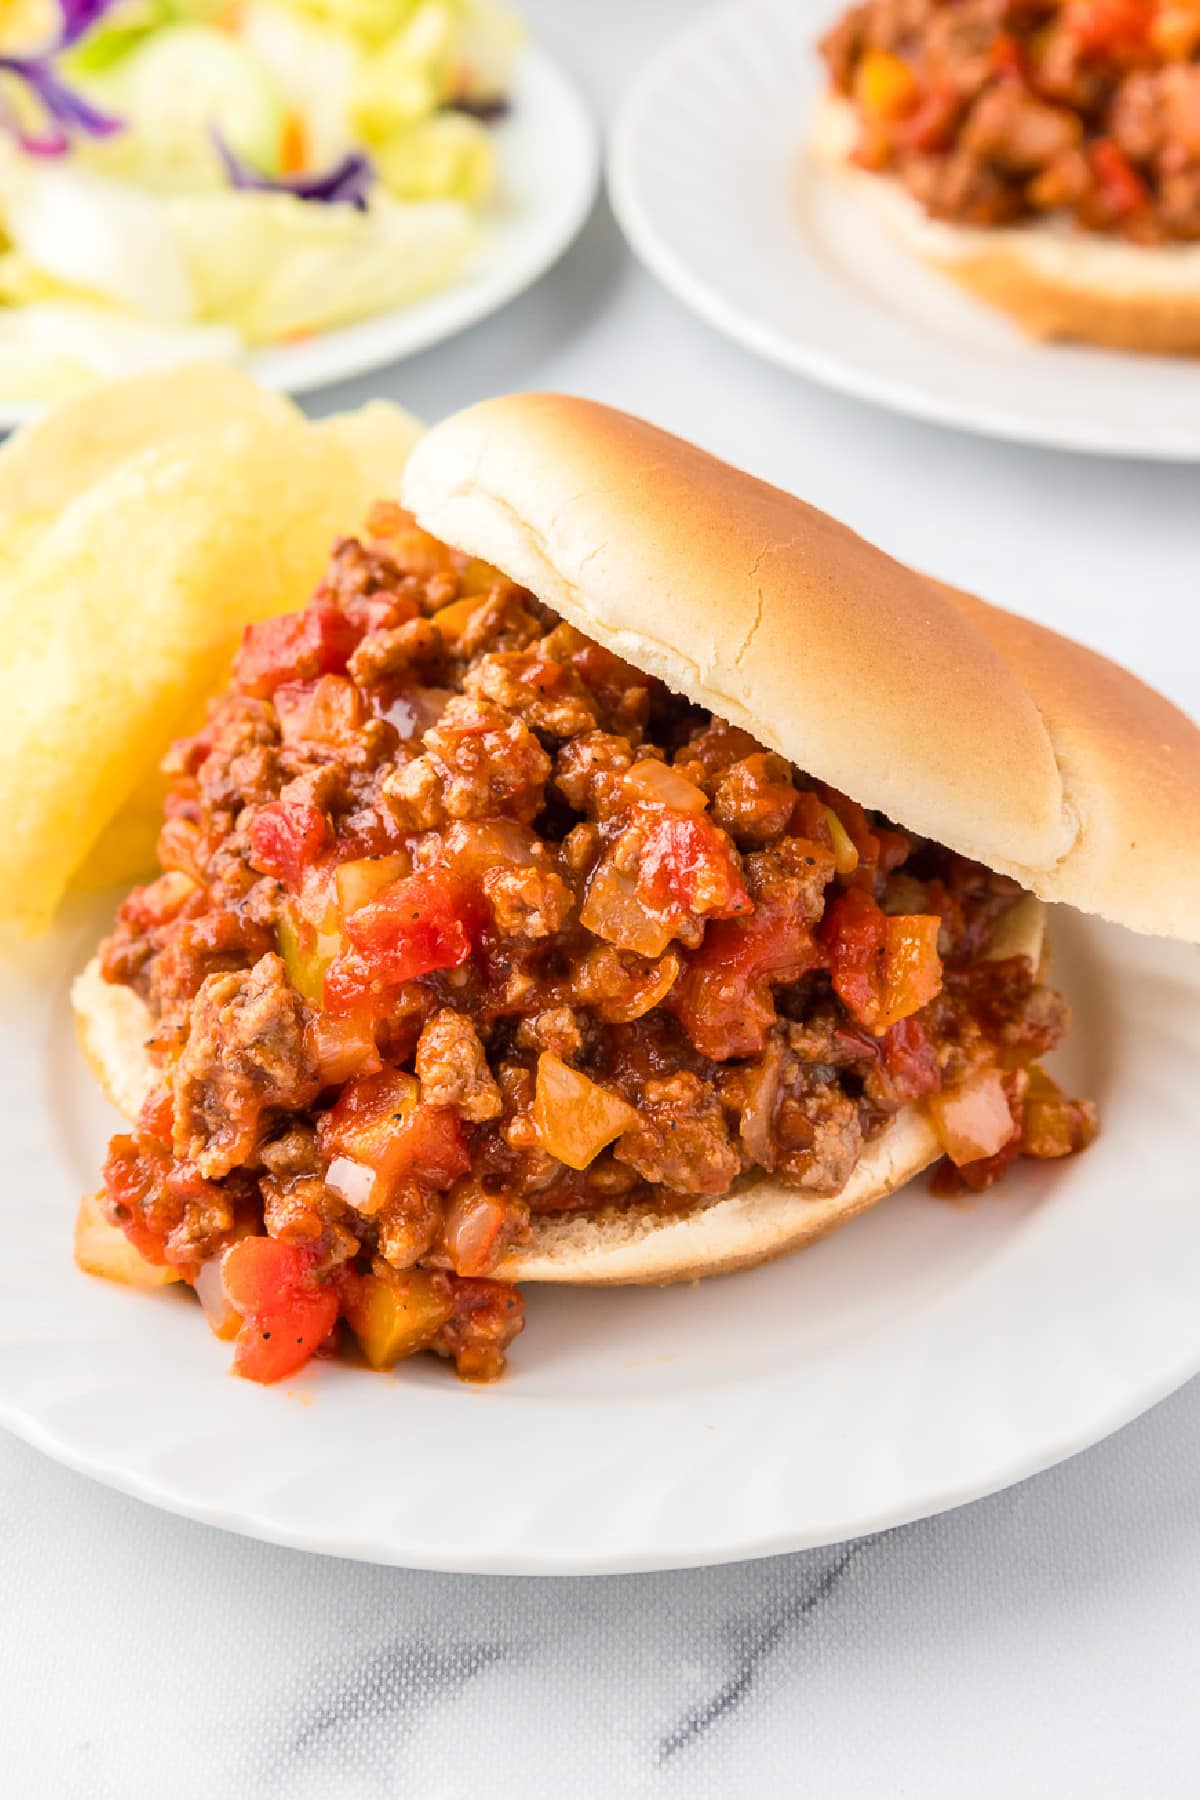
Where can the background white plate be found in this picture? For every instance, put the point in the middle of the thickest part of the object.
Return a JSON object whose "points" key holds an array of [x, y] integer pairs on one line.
{"points": [[923, 1356], [549, 169], [710, 183]]}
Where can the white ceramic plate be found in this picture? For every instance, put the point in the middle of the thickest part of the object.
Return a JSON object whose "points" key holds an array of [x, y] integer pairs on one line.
{"points": [[549, 162], [923, 1356], [710, 182]]}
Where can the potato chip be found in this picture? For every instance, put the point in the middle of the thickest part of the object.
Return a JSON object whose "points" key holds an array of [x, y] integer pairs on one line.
{"points": [[123, 618], [142, 525], [70, 447], [124, 851], [379, 436]]}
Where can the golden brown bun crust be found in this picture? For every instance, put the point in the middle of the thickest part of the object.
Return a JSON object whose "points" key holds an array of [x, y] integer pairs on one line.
{"points": [[1088, 288], [985, 733], [1130, 768], [1156, 324], [112, 1026], [634, 1244]]}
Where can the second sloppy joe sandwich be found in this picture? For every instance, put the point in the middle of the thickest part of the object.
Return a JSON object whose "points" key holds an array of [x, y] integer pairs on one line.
{"points": [[620, 872]]}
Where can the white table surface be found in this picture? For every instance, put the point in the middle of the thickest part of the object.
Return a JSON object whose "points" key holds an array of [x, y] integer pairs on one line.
{"points": [[1041, 1643]]}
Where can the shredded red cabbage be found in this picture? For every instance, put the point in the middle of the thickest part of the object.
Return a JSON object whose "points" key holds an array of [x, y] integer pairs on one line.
{"points": [[488, 111], [347, 183], [66, 112]]}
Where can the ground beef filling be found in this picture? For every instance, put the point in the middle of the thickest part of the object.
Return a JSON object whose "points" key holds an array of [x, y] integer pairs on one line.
{"points": [[464, 921], [997, 112]]}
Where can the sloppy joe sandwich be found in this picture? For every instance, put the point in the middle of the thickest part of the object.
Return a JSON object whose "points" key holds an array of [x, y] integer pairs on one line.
{"points": [[619, 872], [1045, 154]]}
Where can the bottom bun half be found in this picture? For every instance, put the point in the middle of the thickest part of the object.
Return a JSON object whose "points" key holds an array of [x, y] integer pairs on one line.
{"points": [[1056, 282], [620, 1246]]}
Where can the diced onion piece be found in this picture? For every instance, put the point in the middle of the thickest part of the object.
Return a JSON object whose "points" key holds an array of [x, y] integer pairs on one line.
{"points": [[642, 992], [414, 709], [359, 1186], [612, 909], [660, 785], [845, 852], [574, 1117], [223, 1317], [473, 846], [475, 1230], [343, 1045], [392, 1315], [973, 1120], [360, 881]]}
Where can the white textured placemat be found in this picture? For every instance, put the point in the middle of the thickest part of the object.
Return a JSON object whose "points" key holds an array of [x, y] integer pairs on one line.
{"points": [[1041, 1644]]}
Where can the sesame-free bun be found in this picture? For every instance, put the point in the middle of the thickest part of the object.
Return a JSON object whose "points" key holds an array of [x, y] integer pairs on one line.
{"points": [[970, 726], [964, 723], [628, 1245], [1055, 281]]}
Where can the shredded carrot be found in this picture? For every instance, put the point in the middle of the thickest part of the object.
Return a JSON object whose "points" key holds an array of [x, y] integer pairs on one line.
{"points": [[293, 149]]}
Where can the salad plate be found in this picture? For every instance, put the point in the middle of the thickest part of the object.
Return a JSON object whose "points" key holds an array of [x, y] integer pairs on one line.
{"points": [[924, 1355], [547, 170], [713, 187]]}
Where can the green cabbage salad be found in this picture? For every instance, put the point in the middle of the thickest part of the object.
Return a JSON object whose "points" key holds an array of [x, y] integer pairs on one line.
{"points": [[185, 178]]}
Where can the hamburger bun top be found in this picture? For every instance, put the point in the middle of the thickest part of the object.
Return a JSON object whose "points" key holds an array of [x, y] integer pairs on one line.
{"points": [[962, 722]]}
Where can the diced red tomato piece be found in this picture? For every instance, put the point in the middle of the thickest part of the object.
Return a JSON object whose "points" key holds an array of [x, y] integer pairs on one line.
{"points": [[380, 612], [882, 968], [1123, 189], [929, 127], [157, 1117], [1108, 27], [854, 930], [909, 1055], [688, 863], [723, 1000], [1006, 55], [379, 1123], [353, 989], [295, 647], [287, 1312], [416, 926], [286, 839], [134, 1172], [157, 904]]}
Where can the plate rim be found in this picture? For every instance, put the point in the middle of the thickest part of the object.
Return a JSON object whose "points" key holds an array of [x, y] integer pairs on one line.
{"points": [[839, 374], [248, 1524], [337, 355]]}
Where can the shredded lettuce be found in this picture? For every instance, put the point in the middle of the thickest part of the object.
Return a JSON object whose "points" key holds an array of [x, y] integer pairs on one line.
{"points": [[449, 155], [278, 269], [52, 348], [198, 214]]}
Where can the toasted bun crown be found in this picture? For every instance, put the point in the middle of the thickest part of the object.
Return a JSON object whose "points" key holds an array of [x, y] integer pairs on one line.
{"points": [[965, 724]]}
